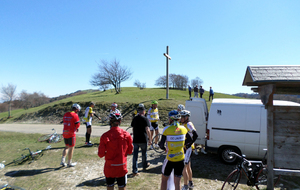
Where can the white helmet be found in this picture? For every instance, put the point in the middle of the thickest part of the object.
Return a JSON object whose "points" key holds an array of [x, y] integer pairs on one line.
{"points": [[185, 113], [181, 107], [76, 106]]}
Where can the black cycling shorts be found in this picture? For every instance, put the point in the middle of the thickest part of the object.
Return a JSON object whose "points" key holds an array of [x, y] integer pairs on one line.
{"points": [[121, 181], [154, 126], [70, 142], [168, 166]]}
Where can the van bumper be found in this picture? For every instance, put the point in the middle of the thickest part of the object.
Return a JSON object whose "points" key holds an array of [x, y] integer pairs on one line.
{"points": [[211, 149]]}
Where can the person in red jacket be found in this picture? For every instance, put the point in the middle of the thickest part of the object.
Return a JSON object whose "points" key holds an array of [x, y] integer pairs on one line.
{"points": [[115, 167], [71, 125]]}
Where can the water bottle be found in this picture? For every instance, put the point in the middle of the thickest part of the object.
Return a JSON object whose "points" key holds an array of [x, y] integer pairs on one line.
{"points": [[2, 166]]}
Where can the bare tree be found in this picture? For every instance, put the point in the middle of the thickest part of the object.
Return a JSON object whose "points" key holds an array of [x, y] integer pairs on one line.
{"points": [[33, 100], [138, 84], [161, 81], [111, 73], [196, 81], [9, 95]]}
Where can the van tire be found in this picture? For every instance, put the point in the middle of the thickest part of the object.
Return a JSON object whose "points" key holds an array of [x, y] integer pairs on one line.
{"points": [[224, 154]]}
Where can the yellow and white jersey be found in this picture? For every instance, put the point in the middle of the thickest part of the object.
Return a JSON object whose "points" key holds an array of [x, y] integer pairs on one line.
{"points": [[87, 114], [190, 128], [175, 138], [153, 115]]}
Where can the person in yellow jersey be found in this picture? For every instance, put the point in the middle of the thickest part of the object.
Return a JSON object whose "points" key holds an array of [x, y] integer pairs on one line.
{"points": [[173, 141], [153, 117], [187, 171], [88, 116]]}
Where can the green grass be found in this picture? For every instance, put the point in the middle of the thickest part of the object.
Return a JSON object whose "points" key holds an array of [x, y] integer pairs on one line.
{"points": [[127, 100]]}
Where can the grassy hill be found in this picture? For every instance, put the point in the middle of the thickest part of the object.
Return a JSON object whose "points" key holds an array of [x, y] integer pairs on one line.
{"points": [[127, 100]]}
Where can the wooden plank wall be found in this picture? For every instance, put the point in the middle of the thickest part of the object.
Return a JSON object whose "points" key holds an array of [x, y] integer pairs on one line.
{"points": [[286, 137]]}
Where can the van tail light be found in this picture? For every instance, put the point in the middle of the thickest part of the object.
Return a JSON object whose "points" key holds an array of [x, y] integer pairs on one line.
{"points": [[207, 134]]}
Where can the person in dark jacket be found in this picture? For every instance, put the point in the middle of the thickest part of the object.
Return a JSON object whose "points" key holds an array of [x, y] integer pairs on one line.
{"points": [[211, 94], [201, 90], [141, 134]]}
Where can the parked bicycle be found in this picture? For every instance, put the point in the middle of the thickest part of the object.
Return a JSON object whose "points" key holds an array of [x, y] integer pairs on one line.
{"points": [[255, 172], [30, 156], [9, 187], [51, 138]]}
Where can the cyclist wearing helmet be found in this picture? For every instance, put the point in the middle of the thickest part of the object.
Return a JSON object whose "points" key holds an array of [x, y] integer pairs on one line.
{"points": [[71, 125], [114, 108], [153, 118], [187, 171], [115, 167], [174, 137], [88, 116], [180, 107]]}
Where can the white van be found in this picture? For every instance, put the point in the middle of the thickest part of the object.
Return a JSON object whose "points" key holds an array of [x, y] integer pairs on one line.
{"points": [[199, 115], [238, 125]]}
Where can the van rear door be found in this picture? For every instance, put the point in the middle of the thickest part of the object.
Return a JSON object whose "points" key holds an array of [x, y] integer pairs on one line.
{"points": [[198, 118]]}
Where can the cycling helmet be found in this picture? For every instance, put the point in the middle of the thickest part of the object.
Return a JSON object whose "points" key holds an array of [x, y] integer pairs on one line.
{"points": [[114, 105], [154, 102], [141, 107], [181, 107], [174, 115], [185, 113], [115, 117], [76, 106]]}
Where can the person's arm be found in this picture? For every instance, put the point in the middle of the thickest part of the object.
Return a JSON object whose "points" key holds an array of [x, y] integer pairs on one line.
{"points": [[162, 142], [148, 134], [102, 147], [129, 145]]}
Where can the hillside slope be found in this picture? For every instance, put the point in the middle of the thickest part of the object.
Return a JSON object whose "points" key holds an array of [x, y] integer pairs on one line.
{"points": [[127, 100]]}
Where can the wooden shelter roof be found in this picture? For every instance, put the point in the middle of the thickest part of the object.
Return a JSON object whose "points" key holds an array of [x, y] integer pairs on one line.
{"points": [[285, 78]]}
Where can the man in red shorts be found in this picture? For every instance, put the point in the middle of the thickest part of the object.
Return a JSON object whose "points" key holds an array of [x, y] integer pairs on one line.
{"points": [[71, 125], [115, 167]]}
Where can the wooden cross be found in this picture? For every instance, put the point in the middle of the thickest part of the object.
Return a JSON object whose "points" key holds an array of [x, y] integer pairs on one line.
{"points": [[167, 76]]}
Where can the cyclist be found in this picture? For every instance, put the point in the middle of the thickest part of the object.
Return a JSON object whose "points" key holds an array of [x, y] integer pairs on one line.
{"points": [[71, 125], [114, 108], [153, 118], [187, 171], [180, 107], [88, 116], [115, 145], [174, 136]]}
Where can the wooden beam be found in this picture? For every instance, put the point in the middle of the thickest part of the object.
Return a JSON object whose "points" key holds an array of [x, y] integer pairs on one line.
{"points": [[270, 136], [265, 91]]}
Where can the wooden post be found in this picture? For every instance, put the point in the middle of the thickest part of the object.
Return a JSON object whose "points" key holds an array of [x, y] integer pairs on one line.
{"points": [[266, 95], [167, 75]]}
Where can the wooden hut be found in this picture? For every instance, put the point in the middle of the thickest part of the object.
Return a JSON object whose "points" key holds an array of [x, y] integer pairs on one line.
{"points": [[283, 127]]}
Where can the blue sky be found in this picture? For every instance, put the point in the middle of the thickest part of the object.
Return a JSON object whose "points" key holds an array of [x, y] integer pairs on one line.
{"points": [[54, 46]]}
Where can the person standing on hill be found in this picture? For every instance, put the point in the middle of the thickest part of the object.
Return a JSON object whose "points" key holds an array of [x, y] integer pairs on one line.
{"points": [[196, 91], [71, 124], [141, 134], [88, 117], [190, 91], [201, 90], [153, 118], [211, 93], [115, 145]]}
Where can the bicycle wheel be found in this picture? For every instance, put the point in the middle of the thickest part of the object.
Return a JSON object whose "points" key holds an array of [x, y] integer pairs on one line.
{"points": [[57, 138], [232, 181], [44, 137], [262, 179], [130, 131], [21, 160], [157, 149]]}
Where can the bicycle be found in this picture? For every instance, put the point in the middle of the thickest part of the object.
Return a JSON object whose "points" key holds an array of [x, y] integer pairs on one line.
{"points": [[51, 138], [255, 172], [31, 155], [9, 187]]}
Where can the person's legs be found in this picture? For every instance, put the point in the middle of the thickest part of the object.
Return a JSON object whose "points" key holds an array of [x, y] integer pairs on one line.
{"points": [[144, 155], [156, 133], [70, 154], [88, 134], [177, 182], [189, 171], [164, 182], [134, 159], [185, 176]]}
